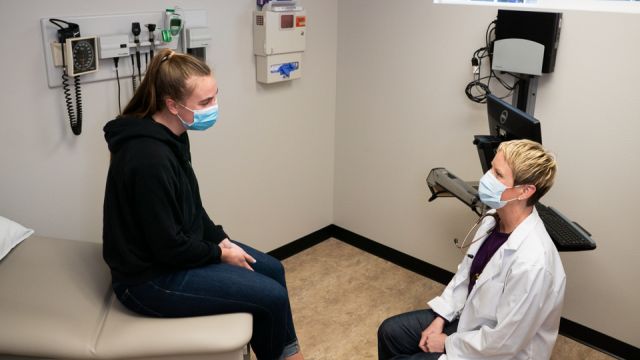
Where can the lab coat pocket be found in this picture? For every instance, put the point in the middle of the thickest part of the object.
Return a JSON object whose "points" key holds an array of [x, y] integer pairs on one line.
{"points": [[486, 299]]}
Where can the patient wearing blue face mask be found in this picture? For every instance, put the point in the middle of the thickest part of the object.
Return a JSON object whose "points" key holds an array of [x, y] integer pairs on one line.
{"points": [[167, 256], [202, 118]]}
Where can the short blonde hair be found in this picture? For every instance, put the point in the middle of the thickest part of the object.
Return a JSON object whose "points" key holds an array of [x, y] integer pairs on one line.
{"points": [[530, 164]]}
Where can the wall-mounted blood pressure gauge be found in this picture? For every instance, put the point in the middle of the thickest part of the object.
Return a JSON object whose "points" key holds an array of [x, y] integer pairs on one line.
{"points": [[82, 55]]}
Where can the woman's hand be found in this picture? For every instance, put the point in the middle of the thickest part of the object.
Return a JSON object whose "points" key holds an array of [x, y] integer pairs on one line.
{"points": [[435, 328], [235, 255]]}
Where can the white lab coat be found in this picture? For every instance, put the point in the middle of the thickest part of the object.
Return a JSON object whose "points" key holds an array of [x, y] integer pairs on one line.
{"points": [[513, 311]]}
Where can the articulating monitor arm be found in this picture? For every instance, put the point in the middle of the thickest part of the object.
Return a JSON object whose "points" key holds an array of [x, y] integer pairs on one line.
{"points": [[443, 183]]}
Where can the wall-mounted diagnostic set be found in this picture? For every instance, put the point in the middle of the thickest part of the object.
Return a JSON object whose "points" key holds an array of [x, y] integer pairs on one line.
{"points": [[132, 37], [279, 39]]}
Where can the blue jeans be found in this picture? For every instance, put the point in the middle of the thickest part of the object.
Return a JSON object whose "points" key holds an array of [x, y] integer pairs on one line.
{"points": [[222, 289], [399, 335]]}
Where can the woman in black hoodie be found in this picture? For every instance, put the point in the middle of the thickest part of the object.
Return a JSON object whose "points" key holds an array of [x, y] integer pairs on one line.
{"points": [[167, 257]]}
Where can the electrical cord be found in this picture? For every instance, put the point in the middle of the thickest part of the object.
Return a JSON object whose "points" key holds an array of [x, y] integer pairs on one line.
{"points": [[115, 63], [133, 73], [139, 66], [75, 117], [78, 94], [478, 89]]}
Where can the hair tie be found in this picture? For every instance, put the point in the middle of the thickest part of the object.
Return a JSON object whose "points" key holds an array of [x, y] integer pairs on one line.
{"points": [[168, 56]]}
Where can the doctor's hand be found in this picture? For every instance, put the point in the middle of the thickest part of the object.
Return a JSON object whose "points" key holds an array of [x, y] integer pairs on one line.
{"points": [[436, 327], [435, 342], [235, 256]]}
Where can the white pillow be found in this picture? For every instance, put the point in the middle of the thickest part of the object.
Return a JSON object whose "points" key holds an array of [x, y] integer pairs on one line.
{"points": [[11, 234]]}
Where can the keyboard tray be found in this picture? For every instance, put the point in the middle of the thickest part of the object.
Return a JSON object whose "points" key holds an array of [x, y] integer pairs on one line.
{"points": [[567, 235]]}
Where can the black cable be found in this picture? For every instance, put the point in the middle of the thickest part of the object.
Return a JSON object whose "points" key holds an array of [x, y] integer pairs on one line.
{"points": [[139, 66], [77, 127], [57, 21], [478, 89], [115, 63], [133, 73], [75, 117]]}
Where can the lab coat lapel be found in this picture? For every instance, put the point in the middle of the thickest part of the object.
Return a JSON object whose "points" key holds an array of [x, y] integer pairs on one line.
{"points": [[481, 232], [504, 253], [522, 231]]}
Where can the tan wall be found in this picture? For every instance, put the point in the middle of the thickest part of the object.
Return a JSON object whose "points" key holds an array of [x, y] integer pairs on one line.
{"points": [[401, 110], [266, 168]]}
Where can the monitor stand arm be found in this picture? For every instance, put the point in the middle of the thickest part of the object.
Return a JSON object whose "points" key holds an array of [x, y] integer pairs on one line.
{"points": [[442, 183], [487, 146], [524, 95]]}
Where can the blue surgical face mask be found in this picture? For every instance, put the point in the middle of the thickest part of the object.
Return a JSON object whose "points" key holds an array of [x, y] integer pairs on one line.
{"points": [[490, 190], [202, 119]]}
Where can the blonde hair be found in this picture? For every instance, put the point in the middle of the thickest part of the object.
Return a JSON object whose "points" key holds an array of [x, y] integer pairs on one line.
{"points": [[166, 76], [530, 164]]}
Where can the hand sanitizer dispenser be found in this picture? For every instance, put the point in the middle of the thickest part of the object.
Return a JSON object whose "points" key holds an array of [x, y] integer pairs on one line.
{"points": [[278, 41]]}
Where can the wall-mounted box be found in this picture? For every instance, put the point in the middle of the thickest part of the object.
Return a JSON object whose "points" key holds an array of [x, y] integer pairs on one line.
{"points": [[279, 39]]}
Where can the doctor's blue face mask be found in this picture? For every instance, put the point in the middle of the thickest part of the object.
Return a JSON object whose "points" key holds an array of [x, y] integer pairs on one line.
{"points": [[202, 118], [490, 190]]}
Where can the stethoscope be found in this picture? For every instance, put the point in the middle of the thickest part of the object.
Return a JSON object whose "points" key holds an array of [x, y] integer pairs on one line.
{"points": [[474, 228]]}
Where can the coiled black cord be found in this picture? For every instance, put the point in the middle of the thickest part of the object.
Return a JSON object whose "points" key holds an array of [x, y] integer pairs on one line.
{"points": [[77, 126], [75, 117]]}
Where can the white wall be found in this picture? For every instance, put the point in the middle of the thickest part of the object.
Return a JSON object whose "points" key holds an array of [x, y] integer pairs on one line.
{"points": [[265, 170], [401, 110]]}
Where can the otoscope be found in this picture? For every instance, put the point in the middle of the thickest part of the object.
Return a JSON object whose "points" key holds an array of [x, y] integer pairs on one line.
{"points": [[152, 38], [135, 29]]}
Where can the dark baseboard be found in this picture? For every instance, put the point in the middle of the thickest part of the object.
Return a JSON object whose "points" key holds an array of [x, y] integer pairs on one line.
{"points": [[399, 258], [303, 243], [568, 328], [598, 340]]}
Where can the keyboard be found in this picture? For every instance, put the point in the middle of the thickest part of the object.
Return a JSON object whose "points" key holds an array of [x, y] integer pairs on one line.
{"points": [[566, 234]]}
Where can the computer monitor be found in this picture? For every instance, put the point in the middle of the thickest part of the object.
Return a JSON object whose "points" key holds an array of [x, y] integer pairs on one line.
{"points": [[506, 122]]}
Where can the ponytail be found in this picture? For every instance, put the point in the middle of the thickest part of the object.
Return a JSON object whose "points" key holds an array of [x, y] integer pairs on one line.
{"points": [[166, 76]]}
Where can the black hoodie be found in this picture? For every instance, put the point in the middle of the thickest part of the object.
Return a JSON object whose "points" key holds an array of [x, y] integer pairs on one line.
{"points": [[154, 222]]}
